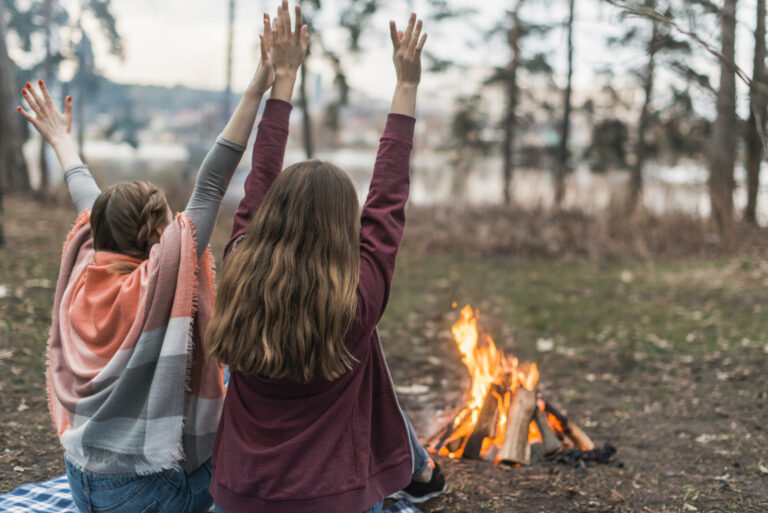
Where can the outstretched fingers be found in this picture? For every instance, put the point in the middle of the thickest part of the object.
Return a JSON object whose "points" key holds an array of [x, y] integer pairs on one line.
{"points": [[393, 34], [298, 24], [38, 98], [406, 41], [420, 46], [29, 97], [266, 38], [285, 21], [29, 117], [46, 95], [414, 41]]}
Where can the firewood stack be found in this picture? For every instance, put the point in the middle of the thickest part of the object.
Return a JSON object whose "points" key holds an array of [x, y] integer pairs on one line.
{"points": [[530, 420], [506, 416]]}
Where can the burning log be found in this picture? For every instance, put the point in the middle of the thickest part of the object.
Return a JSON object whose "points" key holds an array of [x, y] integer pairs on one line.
{"points": [[515, 448], [503, 419], [455, 444], [486, 422], [571, 430], [440, 438], [549, 440], [580, 437]]}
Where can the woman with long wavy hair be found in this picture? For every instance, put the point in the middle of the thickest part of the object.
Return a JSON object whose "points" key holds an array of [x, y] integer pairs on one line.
{"points": [[311, 422], [134, 396]]}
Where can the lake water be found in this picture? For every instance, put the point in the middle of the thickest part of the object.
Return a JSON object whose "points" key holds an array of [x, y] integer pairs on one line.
{"points": [[681, 188]]}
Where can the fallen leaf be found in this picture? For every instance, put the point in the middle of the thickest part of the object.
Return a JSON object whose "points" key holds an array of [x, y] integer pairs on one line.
{"points": [[22, 406], [412, 389], [545, 345], [762, 468], [19, 469], [689, 507], [38, 283], [617, 496], [6, 354]]}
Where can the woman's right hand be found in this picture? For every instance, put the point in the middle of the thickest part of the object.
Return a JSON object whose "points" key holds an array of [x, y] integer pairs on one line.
{"points": [[55, 126], [289, 47], [407, 47]]}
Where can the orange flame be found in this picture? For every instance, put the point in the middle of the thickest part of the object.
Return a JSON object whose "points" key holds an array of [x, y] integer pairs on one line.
{"points": [[487, 366]]}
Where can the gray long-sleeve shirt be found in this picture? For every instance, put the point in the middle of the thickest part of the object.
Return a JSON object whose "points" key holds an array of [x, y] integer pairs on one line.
{"points": [[212, 181]]}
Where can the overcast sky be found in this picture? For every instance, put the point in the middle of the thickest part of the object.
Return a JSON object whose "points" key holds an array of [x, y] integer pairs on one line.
{"points": [[169, 42]]}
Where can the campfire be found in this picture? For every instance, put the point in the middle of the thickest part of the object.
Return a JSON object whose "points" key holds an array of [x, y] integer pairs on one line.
{"points": [[505, 418]]}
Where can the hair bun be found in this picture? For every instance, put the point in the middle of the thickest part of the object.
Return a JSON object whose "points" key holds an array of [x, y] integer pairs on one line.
{"points": [[153, 217], [128, 218]]}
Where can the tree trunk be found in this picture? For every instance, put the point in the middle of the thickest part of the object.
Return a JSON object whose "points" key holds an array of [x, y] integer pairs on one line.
{"points": [[641, 145], [758, 111], [562, 153], [47, 76], [307, 121], [510, 118], [723, 142], [227, 107], [13, 167]]}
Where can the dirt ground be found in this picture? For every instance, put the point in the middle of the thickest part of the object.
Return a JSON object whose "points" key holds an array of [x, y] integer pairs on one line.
{"points": [[666, 360]]}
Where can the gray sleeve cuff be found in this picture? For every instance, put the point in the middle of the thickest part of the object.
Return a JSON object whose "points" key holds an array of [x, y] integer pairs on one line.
{"points": [[231, 145], [82, 187]]}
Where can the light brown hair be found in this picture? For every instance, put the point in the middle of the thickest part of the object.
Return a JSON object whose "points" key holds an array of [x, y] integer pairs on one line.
{"points": [[288, 292], [128, 218]]}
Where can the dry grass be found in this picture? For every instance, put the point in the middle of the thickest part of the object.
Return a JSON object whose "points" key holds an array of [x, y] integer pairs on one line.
{"points": [[611, 234]]}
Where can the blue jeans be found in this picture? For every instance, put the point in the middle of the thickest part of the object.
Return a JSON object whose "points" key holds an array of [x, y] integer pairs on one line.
{"points": [[420, 461], [169, 491]]}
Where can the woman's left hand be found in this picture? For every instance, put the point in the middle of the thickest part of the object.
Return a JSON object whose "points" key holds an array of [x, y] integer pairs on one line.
{"points": [[55, 126], [265, 74]]}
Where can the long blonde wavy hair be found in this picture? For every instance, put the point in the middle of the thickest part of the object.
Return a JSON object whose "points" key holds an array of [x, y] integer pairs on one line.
{"points": [[288, 291]]}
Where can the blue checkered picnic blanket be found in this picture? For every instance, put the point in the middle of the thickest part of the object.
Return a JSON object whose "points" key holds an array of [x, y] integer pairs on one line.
{"points": [[48, 497], [402, 506], [53, 497]]}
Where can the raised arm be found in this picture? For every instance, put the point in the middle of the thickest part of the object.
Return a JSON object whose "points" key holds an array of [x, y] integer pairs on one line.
{"points": [[221, 161], [383, 217], [288, 51], [56, 127]]}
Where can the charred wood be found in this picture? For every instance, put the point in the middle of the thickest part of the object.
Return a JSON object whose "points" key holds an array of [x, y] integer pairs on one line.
{"points": [[486, 422], [549, 440], [572, 431]]}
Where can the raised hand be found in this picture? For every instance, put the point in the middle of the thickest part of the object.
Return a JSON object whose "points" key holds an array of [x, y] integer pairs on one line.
{"points": [[289, 47], [407, 50], [52, 124], [407, 56], [265, 73], [55, 126]]}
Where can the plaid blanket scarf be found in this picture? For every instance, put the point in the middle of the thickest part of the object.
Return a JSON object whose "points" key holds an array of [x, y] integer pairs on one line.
{"points": [[130, 388]]}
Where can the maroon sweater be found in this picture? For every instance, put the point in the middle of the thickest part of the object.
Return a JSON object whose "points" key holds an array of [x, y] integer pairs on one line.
{"points": [[325, 446]]}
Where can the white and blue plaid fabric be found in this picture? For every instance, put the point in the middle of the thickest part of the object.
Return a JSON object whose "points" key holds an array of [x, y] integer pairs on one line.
{"points": [[49, 497], [402, 506], [53, 496]]}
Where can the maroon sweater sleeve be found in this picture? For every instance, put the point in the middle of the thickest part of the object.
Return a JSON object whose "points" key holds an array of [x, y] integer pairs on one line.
{"points": [[268, 154], [383, 218]]}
